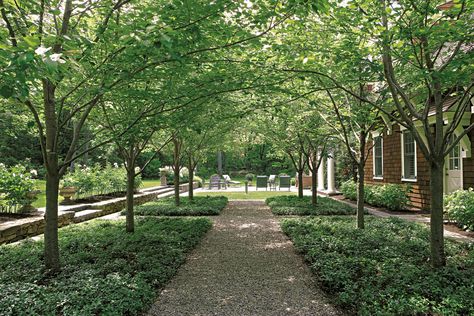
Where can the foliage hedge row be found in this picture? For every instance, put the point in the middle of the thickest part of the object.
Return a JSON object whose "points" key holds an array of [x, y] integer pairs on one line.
{"points": [[391, 196], [459, 207], [293, 205], [96, 180], [384, 269], [106, 271], [201, 205], [15, 183]]}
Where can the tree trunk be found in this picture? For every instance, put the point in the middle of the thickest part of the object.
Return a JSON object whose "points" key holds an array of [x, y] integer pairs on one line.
{"points": [[176, 184], [191, 177], [300, 183], [130, 221], [51, 245], [314, 185], [438, 258], [176, 169], [360, 197]]}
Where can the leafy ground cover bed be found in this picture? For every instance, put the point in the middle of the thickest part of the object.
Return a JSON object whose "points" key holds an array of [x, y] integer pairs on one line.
{"points": [[292, 205], [106, 271], [384, 269], [201, 205]]}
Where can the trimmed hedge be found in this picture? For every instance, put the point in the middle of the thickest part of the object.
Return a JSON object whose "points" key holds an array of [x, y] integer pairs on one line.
{"points": [[384, 269], [105, 270], [201, 205], [394, 197], [292, 205], [459, 207]]}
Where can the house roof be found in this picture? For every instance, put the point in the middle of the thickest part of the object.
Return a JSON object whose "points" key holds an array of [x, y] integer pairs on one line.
{"points": [[447, 104]]}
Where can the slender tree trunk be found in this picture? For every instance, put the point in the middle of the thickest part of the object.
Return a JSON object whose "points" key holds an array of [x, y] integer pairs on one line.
{"points": [[130, 221], [360, 196], [361, 180], [176, 169], [51, 245], [438, 258], [176, 184], [300, 183], [314, 184], [191, 177]]}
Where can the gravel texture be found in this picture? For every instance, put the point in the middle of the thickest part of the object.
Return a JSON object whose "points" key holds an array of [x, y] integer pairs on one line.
{"points": [[244, 266]]}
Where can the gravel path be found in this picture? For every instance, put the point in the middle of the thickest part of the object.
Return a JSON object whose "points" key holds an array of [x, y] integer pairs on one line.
{"points": [[244, 266]]}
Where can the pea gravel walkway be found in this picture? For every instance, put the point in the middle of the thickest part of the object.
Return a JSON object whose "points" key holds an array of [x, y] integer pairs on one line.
{"points": [[244, 266]]}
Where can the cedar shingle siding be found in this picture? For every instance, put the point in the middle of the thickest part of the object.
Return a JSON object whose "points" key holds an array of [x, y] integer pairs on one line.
{"points": [[392, 168]]}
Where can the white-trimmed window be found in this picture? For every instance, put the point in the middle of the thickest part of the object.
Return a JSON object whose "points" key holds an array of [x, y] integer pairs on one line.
{"points": [[378, 157], [408, 157]]}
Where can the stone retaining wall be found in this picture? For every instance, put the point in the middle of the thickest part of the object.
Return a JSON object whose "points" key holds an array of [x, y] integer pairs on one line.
{"points": [[32, 226]]}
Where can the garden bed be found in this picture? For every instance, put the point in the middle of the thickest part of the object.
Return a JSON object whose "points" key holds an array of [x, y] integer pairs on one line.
{"points": [[293, 205], [384, 269], [106, 271], [201, 205]]}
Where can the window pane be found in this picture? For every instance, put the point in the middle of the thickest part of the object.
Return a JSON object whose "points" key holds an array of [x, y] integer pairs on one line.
{"points": [[378, 153], [409, 156]]}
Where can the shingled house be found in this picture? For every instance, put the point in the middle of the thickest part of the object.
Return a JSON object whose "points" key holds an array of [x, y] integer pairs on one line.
{"points": [[396, 158]]}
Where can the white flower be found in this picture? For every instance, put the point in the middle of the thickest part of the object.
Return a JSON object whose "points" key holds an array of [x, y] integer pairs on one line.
{"points": [[42, 50], [137, 169], [116, 165], [56, 58], [33, 172]]}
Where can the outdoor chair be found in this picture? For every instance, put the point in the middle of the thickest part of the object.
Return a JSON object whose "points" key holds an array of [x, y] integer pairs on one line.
{"points": [[272, 182], [285, 182], [216, 182], [229, 181], [262, 182]]}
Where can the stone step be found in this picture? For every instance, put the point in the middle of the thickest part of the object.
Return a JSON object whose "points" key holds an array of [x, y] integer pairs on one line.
{"points": [[86, 215]]}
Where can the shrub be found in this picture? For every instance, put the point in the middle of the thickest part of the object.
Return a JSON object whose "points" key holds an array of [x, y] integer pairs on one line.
{"points": [[15, 184], [349, 189], [106, 271], [199, 180], [384, 269], [293, 205], [391, 196], [249, 177], [90, 181], [170, 178], [459, 207], [201, 205]]}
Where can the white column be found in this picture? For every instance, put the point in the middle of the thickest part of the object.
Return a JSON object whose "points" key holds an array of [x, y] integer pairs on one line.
{"points": [[331, 176], [321, 175]]}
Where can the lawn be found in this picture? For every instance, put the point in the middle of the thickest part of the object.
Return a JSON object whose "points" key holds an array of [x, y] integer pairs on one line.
{"points": [[385, 268], [292, 205], [252, 195], [105, 271], [201, 205], [41, 185]]}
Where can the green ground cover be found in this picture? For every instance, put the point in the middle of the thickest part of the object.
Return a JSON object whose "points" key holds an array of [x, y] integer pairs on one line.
{"points": [[292, 205], [252, 195], [201, 205], [41, 185], [105, 271], [385, 268]]}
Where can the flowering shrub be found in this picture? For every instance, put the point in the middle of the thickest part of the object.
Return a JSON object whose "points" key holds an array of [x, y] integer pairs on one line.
{"points": [[459, 207], [15, 184], [95, 180]]}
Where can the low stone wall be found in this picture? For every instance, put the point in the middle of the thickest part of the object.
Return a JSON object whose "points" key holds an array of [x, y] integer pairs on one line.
{"points": [[32, 226], [28, 227]]}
